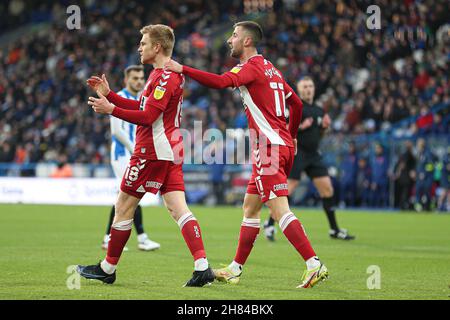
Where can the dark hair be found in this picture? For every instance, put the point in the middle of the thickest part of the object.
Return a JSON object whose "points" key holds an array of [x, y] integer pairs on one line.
{"points": [[254, 29], [132, 68], [306, 78]]}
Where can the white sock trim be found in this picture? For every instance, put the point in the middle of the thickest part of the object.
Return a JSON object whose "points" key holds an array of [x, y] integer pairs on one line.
{"points": [[123, 225], [185, 218], [312, 263], [107, 267], [235, 267], [286, 219], [253, 223], [142, 237], [201, 264]]}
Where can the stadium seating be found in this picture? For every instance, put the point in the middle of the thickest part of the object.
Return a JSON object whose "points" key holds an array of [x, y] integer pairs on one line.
{"points": [[368, 81]]}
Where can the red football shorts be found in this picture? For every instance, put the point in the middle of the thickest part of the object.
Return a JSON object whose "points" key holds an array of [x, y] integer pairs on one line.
{"points": [[144, 175], [271, 168]]}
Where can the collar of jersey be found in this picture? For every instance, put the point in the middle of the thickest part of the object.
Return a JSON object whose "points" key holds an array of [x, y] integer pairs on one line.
{"points": [[256, 55]]}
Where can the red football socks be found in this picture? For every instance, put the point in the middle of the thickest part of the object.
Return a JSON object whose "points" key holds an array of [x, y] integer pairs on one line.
{"points": [[192, 235], [120, 233], [295, 233], [247, 236]]}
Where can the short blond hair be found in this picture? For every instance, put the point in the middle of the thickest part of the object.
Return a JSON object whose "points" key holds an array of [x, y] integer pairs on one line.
{"points": [[162, 34]]}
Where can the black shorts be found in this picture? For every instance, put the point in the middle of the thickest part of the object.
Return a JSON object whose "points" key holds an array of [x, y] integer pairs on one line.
{"points": [[311, 163]]}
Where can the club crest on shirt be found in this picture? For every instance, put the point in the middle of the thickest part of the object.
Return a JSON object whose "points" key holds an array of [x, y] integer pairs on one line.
{"points": [[159, 92]]}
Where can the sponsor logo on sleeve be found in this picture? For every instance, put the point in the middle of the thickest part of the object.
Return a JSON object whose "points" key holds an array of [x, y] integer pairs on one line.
{"points": [[236, 70], [159, 92]]}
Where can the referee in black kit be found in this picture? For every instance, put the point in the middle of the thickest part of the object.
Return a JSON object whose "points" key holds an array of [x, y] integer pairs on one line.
{"points": [[309, 159]]}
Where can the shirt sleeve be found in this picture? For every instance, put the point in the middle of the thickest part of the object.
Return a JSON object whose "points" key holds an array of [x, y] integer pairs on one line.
{"points": [[154, 104], [208, 79], [288, 90], [295, 111], [242, 74], [122, 102], [236, 77], [139, 117]]}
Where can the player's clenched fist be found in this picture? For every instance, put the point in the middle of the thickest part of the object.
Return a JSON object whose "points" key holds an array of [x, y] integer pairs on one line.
{"points": [[99, 84], [101, 105]]}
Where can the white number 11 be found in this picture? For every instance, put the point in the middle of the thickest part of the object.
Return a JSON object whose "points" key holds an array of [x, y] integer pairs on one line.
{"points": [[280, 102]]}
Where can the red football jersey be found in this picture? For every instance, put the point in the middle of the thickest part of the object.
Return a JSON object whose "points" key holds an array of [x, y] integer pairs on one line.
{"points": [[264, 92], [162, 140]]}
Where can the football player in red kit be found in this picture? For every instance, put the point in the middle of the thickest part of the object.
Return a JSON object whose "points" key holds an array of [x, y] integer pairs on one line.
{"points": [[156, 164], [264, 93]]}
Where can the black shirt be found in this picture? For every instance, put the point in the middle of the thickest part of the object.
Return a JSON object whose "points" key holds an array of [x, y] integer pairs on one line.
{"points": [[308, 140]]}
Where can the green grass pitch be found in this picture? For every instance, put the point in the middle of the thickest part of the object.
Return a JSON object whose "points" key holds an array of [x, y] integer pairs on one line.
{"points": [[38, 243]]}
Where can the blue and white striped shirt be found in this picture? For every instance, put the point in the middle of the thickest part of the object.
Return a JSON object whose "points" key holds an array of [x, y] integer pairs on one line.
{"points": [[123, 134]]}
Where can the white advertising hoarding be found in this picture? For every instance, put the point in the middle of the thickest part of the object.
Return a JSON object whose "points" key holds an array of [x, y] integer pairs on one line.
{"points": [[71, 191]]}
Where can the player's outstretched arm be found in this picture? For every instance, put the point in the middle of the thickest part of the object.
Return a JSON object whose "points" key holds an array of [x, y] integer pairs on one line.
{"points": [[140, 117], [101, 85], [207, 79], [121, 102], [144, 117]]}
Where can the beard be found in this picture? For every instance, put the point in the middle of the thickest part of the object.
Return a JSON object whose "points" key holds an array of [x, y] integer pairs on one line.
{"points": [[235, 53]]}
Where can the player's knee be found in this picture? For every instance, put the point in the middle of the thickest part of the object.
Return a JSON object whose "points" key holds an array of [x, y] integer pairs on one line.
{"points": [[173, 213], [327, 191], [250, 211], [123, 211], [252, 214], [120, 211], [177, 211], [171, 209]]}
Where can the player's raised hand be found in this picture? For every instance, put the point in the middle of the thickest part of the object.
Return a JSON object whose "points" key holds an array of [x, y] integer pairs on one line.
{"points": [[326, 121], [174, 66], [99, 84], [101, 105], [306, 123]]}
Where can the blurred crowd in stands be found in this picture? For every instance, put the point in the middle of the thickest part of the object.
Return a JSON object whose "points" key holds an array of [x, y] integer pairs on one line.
{"points": [[417, 179], [367, 80]]}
